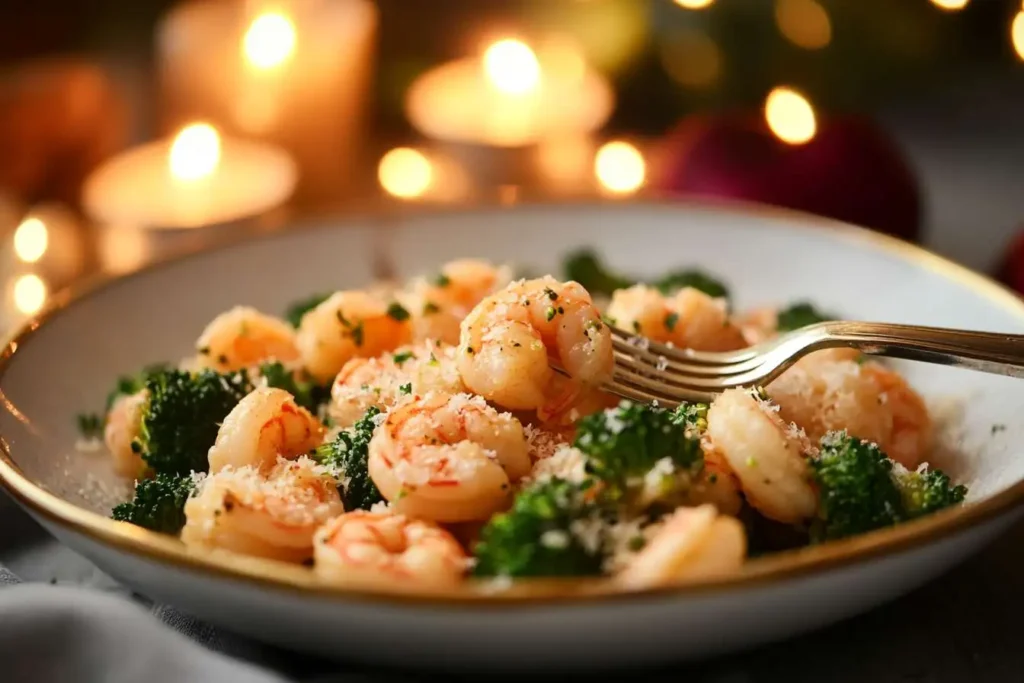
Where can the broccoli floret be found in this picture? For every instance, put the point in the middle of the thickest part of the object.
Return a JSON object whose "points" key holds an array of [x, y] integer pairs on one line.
{"points": [[294, 313], [698, 279], [347, 455], [182, 416], [539, 536], [623, 444], [800, 314], [925, 491], [856, 488], [585, 267], [693, 416], [131, 384], [159, 503], [307, 393]]}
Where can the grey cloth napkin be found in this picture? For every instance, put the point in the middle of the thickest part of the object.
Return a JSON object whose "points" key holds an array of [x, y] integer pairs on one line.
{"points": [[53, 634]]}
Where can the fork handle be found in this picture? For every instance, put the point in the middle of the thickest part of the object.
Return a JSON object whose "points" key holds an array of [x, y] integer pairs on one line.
{"points": [[997, 353]]}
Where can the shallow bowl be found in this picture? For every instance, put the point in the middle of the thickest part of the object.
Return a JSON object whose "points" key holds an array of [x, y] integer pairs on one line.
{"points": [[63, 363]]}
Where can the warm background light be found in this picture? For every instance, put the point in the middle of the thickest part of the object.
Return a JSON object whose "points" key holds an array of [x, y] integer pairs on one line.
{"points": [[790, 116], [619, 167], [951, 5], [31, 239], [804, 23], [511, 66], [29, 293], [195, 152], [405, 173], [692, 59], [270, 40], [1017, 34], [694, 4]]}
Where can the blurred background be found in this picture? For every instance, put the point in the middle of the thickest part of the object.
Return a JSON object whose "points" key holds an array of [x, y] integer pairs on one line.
{"points": [[130, 129]]}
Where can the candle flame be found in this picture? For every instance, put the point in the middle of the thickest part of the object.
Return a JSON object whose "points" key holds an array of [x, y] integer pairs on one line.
{"points": [[31, 239], [29, 293], [405, 173], [620, 167], [1017, 34], [195, 152], [790, 116], [270, 40], [511, 66]]}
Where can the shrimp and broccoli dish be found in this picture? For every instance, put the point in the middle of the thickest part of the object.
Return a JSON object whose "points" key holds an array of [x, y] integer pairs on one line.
{"points": [[416, 433]]}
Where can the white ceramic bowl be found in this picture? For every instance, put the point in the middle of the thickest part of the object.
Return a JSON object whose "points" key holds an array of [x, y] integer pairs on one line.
{"points": [[65, 362]]}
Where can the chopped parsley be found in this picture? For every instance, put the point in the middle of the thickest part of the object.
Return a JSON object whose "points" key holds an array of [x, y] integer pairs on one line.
{"points": [[396, 311], [401, 357], [671, 319]]}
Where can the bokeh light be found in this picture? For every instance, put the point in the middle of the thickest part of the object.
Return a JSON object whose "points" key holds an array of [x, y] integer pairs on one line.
{"points": [[950, 5], [691, 59], [694, 4], [511, 66], [804, 23], [620, 167], [1017, 34], [29, 293], [269, 41], [31, 239], [195, 152], [405, 173], [790, 116]]}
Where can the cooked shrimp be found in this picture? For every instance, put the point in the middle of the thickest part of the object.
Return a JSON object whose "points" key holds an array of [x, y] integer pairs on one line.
{"points": [[274, 516], [385, 380], [124, 422], [830, 393], [264, 425], [910, 441], [448, 458], [766, 454], [688, 319], [692, 544], [350, 324], [569, 401], [716, 484], [369, 547], [507, 339], [243, 337], [438, 305]]}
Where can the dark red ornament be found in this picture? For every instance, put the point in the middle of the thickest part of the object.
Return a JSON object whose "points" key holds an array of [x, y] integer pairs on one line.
{"points": [[1011, 269], [850, 170]]}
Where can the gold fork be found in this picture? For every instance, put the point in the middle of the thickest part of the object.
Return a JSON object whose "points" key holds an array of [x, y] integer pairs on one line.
{"points": [[648, 371]]}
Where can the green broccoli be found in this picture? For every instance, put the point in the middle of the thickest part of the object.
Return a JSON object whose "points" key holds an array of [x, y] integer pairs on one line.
{"points": [[544, 534], [585, 267], [623, 444], [131, 384], [307, 393], [159, 503], [294, 312], [800, 314], [856, 489], [693, 416], [182, 416], [347, 455], [925, 491], [698, 279]]}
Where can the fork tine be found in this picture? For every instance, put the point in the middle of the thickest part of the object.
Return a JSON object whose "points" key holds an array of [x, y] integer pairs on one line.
{"points": [[638, 358], [688, 356]]}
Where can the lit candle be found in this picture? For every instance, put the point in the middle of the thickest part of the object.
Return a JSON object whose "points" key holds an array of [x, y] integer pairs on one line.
{"points": [[510, 97], [291, 72], [198, 178]]}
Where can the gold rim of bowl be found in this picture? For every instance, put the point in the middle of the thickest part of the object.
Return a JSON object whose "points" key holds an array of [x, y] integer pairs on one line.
{"points": [[758, 572]]}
